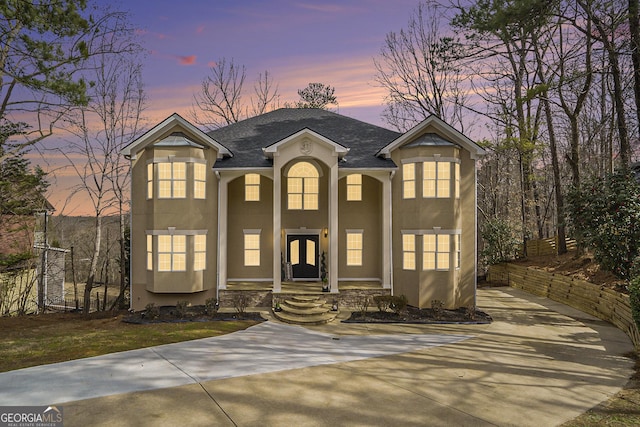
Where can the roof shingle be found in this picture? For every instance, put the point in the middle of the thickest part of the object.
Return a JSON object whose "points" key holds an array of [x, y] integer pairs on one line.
{"points": [[246, 139]]}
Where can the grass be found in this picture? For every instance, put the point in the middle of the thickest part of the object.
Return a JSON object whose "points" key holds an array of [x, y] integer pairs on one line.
{"points": [[37, 340]]}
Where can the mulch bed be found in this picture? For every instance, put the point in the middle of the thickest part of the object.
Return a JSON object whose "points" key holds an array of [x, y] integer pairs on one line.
{"points": [[416, 315], [169, 314]]}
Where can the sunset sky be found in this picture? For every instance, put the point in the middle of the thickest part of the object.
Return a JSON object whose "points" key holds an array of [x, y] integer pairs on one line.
{"points": [[298, 42]]}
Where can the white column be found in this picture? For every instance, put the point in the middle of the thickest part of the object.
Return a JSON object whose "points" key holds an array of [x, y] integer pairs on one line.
{"points": [[333, 227], [223, 200], [387, 253], [277, 227]]}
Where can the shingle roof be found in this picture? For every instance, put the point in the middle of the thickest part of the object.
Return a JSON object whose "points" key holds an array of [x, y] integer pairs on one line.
{"points": [[246, 139]]}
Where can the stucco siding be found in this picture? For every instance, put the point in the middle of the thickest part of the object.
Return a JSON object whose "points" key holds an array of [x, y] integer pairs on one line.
{"points": [[249, 215], [365, 215]]}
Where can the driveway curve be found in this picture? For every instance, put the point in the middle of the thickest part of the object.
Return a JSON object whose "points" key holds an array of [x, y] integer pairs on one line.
{"points": [[538, 363]]}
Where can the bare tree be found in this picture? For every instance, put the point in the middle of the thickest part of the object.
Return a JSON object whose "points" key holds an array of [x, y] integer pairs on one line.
{"points": [[606, 21], [110, 121], [222, 101], [422, 70], [266, 95]]}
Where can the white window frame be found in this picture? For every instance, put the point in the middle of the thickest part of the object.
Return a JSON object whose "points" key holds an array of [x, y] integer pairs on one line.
{"points": [[436, 182], [251, 187], [303, 191], [150, 175], [149, 252], [354, 187], [177, 258], [409, 251], [354, 253], [251, 251], [199, 182], [174, 182], [199, 252], [408, 180], [436, 252], [456, 177]]}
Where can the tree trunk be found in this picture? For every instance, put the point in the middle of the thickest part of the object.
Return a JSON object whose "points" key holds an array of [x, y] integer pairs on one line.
{"points": [[557, 183], [634, 28], [94, 264]]}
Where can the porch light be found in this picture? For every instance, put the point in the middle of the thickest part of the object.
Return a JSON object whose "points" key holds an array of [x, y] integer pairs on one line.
{"points": [[325, 231]]}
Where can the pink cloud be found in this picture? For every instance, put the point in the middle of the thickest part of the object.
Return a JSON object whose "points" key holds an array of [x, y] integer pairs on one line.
{"points": [[200, 29], [186, 60], [212, 64]]}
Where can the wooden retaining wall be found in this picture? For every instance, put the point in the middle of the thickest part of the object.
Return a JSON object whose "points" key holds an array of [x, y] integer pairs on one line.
{"points": [[546, 246], [606, 304]]}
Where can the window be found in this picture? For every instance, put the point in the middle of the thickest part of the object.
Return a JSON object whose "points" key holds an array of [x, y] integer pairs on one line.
{"points": [[251, 248], [172, 180], [444, 180], [354, 187], [199, 252], [150, 181], [456, 248], [436, 178], [199, 180], [149, 252], [456, 170], [302, 187], [172, 253], [354, 247], [409, 251], [409, 181], [436, 248], [252, 187]]}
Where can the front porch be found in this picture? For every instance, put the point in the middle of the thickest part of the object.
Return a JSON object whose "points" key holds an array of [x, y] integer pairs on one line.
{"points": [[261, 294]]}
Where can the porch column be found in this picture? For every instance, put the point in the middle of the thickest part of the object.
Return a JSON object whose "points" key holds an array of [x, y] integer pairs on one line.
{"points": [[277, 227], [387, 253], [333, 228], [223, 193]]}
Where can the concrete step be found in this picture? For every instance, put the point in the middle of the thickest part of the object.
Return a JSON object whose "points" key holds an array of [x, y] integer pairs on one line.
{"points": [[316, 319], [305, 310], [305, 304]]}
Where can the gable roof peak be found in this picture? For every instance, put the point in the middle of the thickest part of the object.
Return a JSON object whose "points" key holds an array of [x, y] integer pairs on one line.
{"points": [[188, 134], [445, 132]]}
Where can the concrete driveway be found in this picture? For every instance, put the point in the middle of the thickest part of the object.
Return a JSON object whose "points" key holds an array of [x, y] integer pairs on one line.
{"points": [[538, 363]]}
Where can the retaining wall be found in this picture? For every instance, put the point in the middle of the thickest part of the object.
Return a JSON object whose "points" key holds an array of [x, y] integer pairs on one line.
{"points": [[601, 302]]}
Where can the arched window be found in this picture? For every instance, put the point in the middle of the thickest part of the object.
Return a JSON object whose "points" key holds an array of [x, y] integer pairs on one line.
{"points": [[302, 187]]}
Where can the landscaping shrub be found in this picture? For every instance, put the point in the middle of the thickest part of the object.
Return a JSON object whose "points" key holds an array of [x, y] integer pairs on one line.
{"points": [[438, 308], [383, 302], [181, 308], [500, 242], [240, 302], [634, 296], [391, 302], [151, 311], [211, 306], [605, 214], [470, 311], [362, 304], [399, 303]]}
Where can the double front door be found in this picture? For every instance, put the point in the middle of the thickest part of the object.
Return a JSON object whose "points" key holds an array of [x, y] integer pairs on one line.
{"points": [[302, 254]]}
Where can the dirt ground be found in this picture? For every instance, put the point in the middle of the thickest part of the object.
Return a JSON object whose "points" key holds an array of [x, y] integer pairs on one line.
{"points": [[578, 266]]}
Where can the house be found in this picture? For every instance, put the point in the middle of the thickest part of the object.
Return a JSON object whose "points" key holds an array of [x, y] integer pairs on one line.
{"points": [[288, 197]]}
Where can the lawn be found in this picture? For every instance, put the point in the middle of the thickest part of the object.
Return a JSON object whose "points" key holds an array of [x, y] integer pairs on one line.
{"points": [[41, 339]]}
